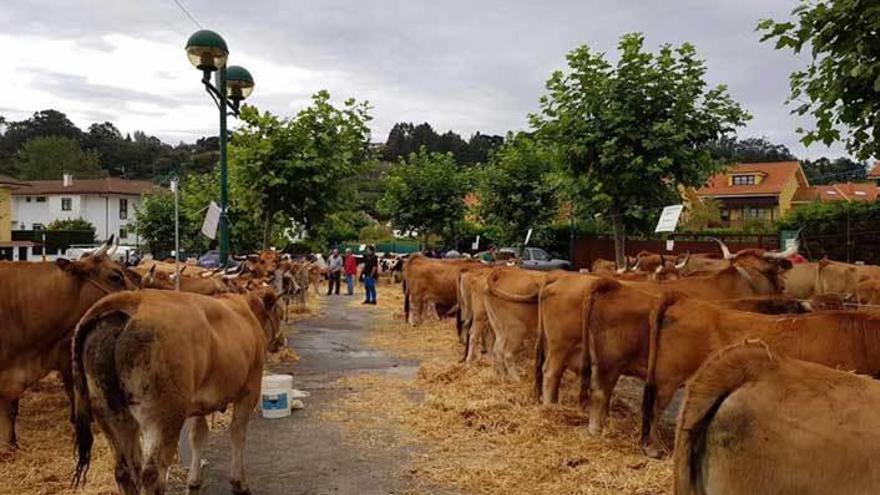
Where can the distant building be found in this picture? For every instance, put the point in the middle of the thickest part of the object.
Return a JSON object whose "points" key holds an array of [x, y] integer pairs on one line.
{"points": [[108, 203], [768, 191], [874, 174]]}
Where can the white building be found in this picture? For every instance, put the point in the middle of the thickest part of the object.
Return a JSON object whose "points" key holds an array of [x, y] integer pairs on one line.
{"points": [[108, 203]]}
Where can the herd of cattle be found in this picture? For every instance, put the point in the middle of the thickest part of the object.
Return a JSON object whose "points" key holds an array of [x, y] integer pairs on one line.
{"points": [[139, 358], [737, 329]]}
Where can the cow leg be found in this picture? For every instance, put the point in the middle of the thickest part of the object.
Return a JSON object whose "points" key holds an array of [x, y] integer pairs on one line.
{"points": [[198, 432], [8, 413], [241, 413], [123, 434], [553, 371], [602, 383], [652, 443], [160, 449]]}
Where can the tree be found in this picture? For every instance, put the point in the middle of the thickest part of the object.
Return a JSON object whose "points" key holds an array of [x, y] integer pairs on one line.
{"points": [[631, 133], [50, 157], [76, 224], [827, 171], [425, 193], [406, 138], [155, 223], [750, 150], [301, 168], [514, 194], [840, 87]]}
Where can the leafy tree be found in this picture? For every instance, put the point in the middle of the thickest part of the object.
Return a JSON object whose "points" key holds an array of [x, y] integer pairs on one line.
{"points": [[375, 233], [630, 133], [840, 87], [750, 150], [50, 157], [73, 224], [425, 193], [827, 171], [514, 194], [342, 226], [406, 138], [155, 223], [301, 168]]}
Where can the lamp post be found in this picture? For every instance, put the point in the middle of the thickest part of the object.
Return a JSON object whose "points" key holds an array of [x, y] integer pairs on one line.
{"points": [[207, 51]]}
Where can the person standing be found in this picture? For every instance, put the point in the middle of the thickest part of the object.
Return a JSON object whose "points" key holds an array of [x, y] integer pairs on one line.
{"points": [[334, 271], [371, 271], [351, 269]]}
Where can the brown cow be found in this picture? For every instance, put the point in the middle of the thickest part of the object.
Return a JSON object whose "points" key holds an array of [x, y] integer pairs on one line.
{"points": [[40, 306], [757, 423], [472, 322], [206, 286], [685, 331], [431, 286], [800, 280], [146, 362]]}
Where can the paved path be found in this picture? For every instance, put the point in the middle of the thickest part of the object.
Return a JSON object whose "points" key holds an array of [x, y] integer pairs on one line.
{"points": [[302, 454]]}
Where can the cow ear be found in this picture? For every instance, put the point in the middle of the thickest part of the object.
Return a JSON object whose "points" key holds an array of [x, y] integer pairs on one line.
{"points": [[67, 265]]}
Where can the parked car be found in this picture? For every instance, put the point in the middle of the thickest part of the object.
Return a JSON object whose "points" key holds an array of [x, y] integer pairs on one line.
{"points": [[211, 259], [534, 258]]}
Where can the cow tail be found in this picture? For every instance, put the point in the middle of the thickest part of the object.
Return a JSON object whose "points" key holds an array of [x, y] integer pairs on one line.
{"points": [[105, 327], [712, 384], [405, 300], [590, 356], [540, 347], [649, 397]]}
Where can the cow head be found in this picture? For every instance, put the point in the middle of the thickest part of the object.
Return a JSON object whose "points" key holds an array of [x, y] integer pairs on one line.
{"points": [[264, 304], [769, 264], [100, 272]]}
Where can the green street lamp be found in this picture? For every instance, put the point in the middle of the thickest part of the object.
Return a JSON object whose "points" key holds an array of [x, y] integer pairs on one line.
{"points": [[207, 51]]}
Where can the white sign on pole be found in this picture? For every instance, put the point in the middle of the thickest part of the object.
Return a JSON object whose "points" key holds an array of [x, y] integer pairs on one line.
{"points": [[528, 236], [476, 244], [670, 245], [669, 218], [212, 219]]}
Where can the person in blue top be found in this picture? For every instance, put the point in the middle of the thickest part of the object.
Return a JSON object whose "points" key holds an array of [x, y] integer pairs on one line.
{"points": [[370, 274]]}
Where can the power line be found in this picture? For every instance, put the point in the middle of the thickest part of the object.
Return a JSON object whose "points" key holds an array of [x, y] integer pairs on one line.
{"points": [[186, 12]]}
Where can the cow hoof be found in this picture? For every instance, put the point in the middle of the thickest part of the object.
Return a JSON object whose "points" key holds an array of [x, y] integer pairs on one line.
{"points": [[239, 488], [652, 452], [194, 487]]}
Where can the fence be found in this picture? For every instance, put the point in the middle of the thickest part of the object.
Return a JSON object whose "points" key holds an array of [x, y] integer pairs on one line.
{"points": [[586, 250], [403, 247]]}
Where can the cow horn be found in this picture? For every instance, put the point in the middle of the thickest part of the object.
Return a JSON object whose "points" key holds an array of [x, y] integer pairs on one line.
{"points": [[793, 250], [635, 267], [683, 263], [724, 249], [104, 247], [112, 250]]}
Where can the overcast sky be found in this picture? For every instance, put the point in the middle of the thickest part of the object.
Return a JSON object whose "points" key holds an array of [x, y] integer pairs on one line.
{"points": [[461, 65]]}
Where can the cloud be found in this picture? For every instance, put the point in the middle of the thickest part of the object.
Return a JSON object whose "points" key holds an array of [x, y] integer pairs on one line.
{"points": [[460, 65]]}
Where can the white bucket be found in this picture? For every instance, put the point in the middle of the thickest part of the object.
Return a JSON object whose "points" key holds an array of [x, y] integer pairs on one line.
{"points": [[275, 396]]}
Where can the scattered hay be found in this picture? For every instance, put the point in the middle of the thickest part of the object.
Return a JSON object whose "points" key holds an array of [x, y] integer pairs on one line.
{"points": [[473, 432], [44, 462], [286, 356]]}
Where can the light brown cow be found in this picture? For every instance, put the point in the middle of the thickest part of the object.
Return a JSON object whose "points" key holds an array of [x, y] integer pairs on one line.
{"points": [[685, 331], [511, 303], [800, 280], [472, 322], [207, 286], [146, 362], [757, 423], [39, 308], [431, 286]]}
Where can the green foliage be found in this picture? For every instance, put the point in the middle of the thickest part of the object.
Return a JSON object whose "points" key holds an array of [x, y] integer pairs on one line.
{"points": [[702, 214], [376, 232], [342, 226], [406, 138], [631, 133], [750, 150], [840, 230], [79, 224], [301, 168], [155, 222], [50, 157], [826, 171], [840, 87], [514, 193], [425, 194]]}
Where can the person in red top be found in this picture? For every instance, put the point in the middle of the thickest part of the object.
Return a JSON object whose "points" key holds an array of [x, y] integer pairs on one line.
{"points": [[351, 268]]}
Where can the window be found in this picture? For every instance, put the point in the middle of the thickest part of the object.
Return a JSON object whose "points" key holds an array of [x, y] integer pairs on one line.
{"points": [[725, 215], [27, 199], [539, 255], [123, 232], [123, 209], [755, 212], [66, 204], [39, 226], [743, 180], [41, 199]]}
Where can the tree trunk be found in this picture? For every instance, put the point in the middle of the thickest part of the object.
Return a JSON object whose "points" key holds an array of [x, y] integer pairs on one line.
{"points": [[619, 237]]}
